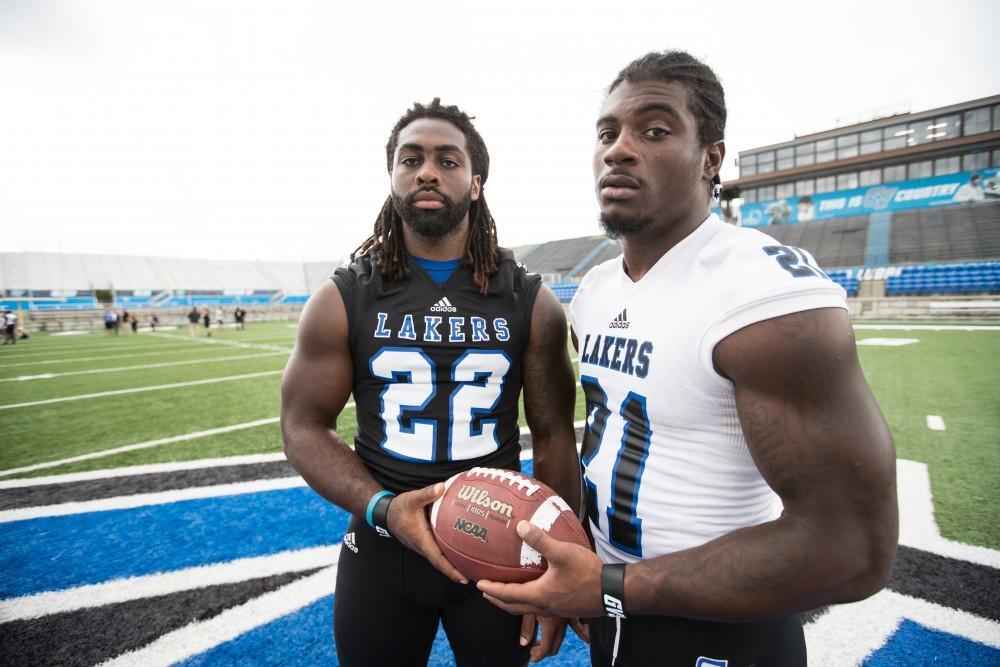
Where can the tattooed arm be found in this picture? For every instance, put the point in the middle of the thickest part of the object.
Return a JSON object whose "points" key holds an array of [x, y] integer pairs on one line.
{"points": [[820, 441]]}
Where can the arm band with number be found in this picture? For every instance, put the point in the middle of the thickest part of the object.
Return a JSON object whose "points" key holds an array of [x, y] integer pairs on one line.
{"points": [[378, 509], [613, 589]]}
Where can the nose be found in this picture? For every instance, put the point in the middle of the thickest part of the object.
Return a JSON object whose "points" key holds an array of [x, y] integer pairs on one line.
{"points": [[427, 173], [622, 151]]}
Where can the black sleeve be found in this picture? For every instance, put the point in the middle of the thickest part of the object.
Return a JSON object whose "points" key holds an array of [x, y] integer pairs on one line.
{"points": [[346, 280]]}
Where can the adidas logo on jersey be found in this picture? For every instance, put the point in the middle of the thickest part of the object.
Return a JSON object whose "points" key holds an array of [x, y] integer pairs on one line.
{"points": [[443, 306], [349, 542], [620, 322]]}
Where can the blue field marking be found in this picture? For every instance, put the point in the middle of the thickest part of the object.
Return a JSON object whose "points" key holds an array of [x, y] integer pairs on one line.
{"points": [[914, 644], [53, 553], [305, 638]]}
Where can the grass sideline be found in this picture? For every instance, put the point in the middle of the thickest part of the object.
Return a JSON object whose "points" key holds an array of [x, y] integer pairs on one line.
{"points": [[954, 374]]}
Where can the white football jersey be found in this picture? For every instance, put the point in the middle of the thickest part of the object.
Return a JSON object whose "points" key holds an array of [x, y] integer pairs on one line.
{"points": [[667, 467]]}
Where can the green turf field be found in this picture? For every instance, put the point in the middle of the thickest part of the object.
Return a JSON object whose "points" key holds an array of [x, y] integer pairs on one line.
{"points": [[194, 385]]}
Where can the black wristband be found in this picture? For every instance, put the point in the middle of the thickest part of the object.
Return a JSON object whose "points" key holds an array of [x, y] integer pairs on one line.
{"points": [[380, 515], [613, 589]]}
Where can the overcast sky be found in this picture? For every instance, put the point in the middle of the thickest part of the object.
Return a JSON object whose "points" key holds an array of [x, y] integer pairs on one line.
{"points": [[255, 129]]}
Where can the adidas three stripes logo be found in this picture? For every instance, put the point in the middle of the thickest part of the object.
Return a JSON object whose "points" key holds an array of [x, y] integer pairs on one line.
{"points": [[620, 322], [443, 306]]}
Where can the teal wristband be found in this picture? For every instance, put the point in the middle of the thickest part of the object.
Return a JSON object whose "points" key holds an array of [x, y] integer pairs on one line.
{"points": [[370, 512]]}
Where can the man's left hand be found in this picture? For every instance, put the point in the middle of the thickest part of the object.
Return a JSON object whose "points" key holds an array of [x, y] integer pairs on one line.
{"points": [[570, 587], [551, 639]]}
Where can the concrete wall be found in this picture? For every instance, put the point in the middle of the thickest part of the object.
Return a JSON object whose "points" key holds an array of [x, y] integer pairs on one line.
{"points": [[926, 308]]}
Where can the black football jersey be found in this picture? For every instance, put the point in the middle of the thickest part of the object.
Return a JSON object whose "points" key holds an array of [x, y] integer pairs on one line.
{"points": [[437, 369]]}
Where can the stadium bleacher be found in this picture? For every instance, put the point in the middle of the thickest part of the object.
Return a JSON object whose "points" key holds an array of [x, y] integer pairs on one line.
{"points": [[562, 257], [840, 242], [943, 250], [49, 303], [845, 278], [960, 278], [966, 232], [34, 281], [950, 250]]}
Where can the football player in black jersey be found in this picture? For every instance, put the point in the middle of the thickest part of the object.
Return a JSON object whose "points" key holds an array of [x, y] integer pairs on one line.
{"points": [[434, 330]]}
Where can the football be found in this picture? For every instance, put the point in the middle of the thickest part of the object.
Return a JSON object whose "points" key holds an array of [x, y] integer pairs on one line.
{"points": [[475, 524]]}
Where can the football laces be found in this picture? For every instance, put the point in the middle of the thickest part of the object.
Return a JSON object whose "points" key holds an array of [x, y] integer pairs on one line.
{"points": [[508, 476]]}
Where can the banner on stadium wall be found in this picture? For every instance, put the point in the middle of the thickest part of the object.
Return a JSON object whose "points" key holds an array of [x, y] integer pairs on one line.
{"points": [[966, 186]]}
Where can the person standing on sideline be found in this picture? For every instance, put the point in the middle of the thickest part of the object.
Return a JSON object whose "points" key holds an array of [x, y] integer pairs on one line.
{"points": [[737, 468], [9, 327], [193, 317], [206, 321], [434, 329], [109, 321], [154, 321]]}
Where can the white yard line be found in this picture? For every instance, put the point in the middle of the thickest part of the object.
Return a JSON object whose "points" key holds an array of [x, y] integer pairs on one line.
{"points": [[837, 638], [261, 335], [147, 499], [136, 470], [888, 342], [168, 349], [148, 468], [147, 343], [917, 527], [165, 583], [138, 390], [224, 342], [200, 636], [165, 364], [126, 448], [928, 327]]}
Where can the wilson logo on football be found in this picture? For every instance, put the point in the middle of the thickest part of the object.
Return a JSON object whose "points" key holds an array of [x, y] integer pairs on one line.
{"points": [[472, 528], [481, 497]]}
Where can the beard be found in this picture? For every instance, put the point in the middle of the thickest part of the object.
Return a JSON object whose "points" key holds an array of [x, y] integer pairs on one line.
{"points": [[620, 226], [432, 223]]}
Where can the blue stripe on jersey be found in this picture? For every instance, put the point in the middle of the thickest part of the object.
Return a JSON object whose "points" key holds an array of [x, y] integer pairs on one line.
{"points": [[53, 553], [437, 270]]}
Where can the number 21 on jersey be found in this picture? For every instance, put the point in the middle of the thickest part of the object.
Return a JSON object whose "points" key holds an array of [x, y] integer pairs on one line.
{"points": [[629, 414], [478, 377]]}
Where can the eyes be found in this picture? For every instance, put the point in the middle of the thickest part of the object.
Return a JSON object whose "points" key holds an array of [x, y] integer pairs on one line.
{"points": [[608, 135], [414, 161]]}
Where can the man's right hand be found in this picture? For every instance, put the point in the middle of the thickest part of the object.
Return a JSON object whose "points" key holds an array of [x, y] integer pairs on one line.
{"points": [[408, 522]]}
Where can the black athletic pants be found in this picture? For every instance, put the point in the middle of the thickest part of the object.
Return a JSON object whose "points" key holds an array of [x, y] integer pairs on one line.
{"points": [[388, 603], [669, 642]]}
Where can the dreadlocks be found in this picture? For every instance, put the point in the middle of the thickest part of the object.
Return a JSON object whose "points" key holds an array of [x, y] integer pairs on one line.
{"points": [[387, 238], [706, 100]]}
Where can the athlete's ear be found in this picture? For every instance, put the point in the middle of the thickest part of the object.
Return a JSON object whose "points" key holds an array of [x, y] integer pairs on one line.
{"points": [[714, 155], [476, 188]]}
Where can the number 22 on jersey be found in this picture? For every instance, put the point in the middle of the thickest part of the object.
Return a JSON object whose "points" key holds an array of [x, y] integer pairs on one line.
{"points": [[624, 526], [478, 377]]}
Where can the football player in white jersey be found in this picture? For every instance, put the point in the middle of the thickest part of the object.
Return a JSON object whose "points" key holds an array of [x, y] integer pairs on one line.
{"points": [[738, 469]]}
